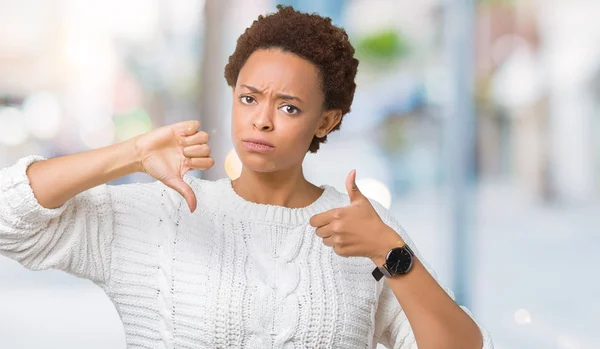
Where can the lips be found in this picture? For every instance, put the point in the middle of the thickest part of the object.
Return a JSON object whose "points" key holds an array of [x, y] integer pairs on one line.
{"points": [[255, 145], [259, 141]]}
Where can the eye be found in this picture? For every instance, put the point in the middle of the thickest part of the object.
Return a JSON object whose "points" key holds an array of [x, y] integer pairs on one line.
{"points": [[247, 99], [290, 109]]}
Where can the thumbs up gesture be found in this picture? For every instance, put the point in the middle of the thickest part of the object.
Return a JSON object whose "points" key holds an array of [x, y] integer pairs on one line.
{"points": [[169, 152], [356, 229]]}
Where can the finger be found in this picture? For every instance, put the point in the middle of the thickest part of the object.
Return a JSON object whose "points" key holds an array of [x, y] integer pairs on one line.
{"points": [[353, 192], [329, 241], [322, 219], [187, 128], [199, 137], [196, 151], [201, 163], [324, 231], [184, 190]]}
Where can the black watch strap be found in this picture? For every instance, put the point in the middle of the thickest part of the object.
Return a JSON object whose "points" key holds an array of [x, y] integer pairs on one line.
{"points": [[377, 274]]}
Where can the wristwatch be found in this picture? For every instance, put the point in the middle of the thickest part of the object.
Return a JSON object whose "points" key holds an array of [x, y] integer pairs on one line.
{"points": [[398, 261]]}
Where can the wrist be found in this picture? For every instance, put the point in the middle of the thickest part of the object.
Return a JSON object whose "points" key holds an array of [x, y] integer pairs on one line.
{"points": [[138, 154], [129, 155], [390, 239]]}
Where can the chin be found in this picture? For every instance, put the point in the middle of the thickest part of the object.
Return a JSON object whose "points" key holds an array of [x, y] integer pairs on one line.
{"points": [[263, 168], [257, 163]]}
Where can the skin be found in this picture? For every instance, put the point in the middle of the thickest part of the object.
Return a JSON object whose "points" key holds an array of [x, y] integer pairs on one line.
{"points": [[357, 230], [276, 178], [262, 108], [166, 154]]}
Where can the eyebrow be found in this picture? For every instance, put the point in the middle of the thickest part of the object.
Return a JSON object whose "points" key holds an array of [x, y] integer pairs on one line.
{"points": [[279, 95]]}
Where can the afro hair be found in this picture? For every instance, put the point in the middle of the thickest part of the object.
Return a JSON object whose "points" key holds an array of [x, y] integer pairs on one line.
{"points": [[311, 37]]}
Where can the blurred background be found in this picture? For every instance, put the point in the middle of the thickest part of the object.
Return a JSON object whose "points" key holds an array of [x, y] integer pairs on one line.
{"points": [[476, 122]]}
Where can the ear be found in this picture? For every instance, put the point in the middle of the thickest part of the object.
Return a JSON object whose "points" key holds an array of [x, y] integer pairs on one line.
{"points": [[329, 119]]}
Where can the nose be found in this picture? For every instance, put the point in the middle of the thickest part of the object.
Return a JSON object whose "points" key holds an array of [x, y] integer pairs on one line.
{"points": [[263, 120]]}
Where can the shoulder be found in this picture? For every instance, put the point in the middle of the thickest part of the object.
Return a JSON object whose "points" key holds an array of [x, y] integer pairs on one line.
{"points": [[336, 197], [152, 190], [209, 193], [136, 189], [155, 198], [344, 200], [136, 196], [205, 186], [386, 215]]}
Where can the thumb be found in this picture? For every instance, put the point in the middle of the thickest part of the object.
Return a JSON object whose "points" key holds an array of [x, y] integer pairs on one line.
{"points": [[185, 190], [353, 191]]}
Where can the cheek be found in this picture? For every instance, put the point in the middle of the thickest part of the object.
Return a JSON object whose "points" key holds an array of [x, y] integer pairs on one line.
{"points": [[299, 136], [236, 119]]}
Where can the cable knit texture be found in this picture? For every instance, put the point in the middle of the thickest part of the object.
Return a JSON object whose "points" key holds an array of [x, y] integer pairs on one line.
{"points": [[233, 274]]}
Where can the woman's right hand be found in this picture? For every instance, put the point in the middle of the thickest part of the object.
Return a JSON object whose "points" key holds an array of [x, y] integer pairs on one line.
{"points": [[167, 153]]}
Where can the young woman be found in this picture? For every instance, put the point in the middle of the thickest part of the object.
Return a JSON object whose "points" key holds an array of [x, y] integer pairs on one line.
{"points": [[268, 260]]}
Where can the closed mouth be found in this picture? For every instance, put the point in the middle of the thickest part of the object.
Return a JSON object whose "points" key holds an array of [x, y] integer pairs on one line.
{"points": [[259, 141]]}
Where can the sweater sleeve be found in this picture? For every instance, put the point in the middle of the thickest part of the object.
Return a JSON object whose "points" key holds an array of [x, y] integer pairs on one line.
{"points": [[392, 328], [74, 237]]}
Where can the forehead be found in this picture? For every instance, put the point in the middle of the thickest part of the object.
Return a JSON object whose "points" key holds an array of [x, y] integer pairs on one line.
{"points": [[280, 71]]}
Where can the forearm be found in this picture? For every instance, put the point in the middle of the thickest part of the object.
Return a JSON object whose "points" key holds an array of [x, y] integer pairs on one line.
{"points": [[55, 181], [437, 321], [435, 318]]}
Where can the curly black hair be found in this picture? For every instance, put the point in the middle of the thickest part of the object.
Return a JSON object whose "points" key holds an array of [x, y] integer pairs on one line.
{"points": [[311, 37]]}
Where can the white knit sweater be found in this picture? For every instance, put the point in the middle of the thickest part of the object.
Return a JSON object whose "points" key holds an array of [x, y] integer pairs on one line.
{"points": [[233, 274]]}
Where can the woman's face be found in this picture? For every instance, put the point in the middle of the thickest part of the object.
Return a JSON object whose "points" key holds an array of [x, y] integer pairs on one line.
{"points": [[277, 100]]}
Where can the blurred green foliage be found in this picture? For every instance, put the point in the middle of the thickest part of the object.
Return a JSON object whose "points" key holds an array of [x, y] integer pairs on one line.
{"points": [[381, 47]]}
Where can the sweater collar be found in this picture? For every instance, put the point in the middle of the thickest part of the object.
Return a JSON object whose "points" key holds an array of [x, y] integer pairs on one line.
{"points": [[276, 213]]}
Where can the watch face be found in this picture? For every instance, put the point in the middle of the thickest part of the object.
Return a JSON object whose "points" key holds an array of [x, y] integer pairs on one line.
{"points": [[399, 260]]}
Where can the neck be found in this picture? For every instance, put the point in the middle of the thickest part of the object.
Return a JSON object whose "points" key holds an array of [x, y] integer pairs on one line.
{"points": [[286, 188]]}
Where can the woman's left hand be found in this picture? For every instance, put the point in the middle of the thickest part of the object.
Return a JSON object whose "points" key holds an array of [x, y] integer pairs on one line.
{"points": [[356, 229]]}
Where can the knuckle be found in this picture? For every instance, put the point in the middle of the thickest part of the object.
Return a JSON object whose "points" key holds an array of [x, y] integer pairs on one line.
{"points": [[319, 231], [340, 250], [339, 240], [184, 142], [203, 136]]}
